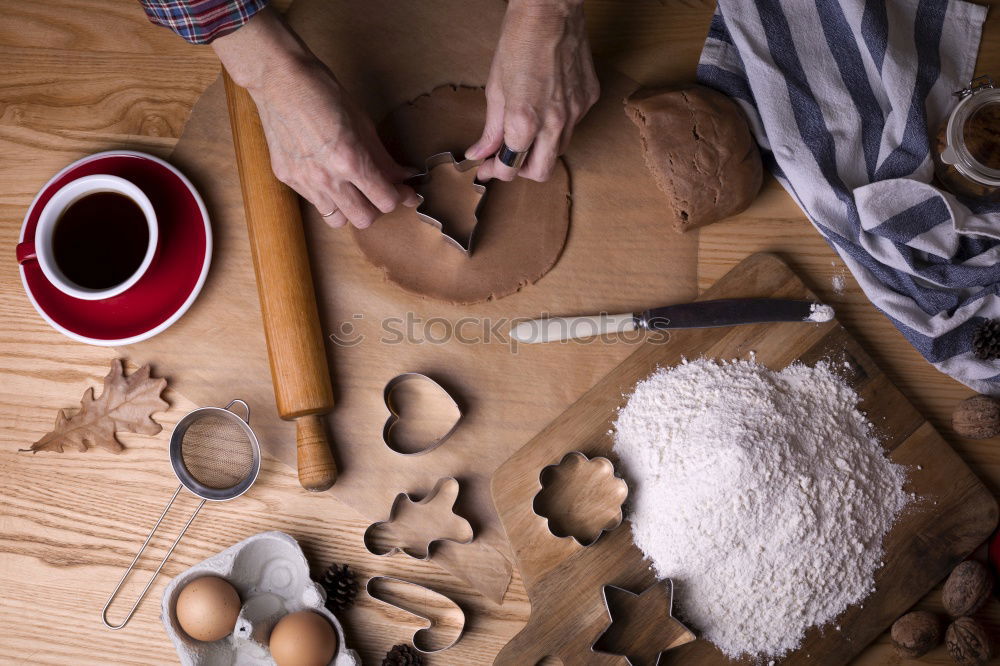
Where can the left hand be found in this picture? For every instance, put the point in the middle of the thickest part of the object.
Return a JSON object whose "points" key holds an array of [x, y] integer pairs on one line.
{"points": [[541, 83]]}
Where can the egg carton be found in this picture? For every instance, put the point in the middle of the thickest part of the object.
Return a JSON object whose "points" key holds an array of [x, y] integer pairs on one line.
{"points": [[271, 574]]}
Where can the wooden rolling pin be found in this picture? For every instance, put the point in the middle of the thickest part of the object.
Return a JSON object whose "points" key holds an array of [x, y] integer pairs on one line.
{"points": [[295, 348]]}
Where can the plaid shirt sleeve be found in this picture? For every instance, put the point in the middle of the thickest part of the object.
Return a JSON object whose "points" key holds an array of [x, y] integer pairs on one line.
{"points": [[201, 21]]}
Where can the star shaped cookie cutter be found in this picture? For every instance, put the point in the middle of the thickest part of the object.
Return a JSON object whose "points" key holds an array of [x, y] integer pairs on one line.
{"points": [[640, 628], [432, 162]]}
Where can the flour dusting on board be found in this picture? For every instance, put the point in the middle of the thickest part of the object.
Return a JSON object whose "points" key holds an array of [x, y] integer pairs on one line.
{"points": [[819, 313], [764, 495]]}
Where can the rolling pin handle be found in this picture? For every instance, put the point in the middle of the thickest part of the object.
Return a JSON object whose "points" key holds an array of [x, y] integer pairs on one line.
{"points": [[317, 469]]}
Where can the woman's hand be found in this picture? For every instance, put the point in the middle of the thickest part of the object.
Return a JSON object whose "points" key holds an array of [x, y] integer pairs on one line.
{"points": [[541, 84], [321, 143]]}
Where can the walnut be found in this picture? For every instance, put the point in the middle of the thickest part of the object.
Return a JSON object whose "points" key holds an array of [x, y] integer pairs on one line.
{"points": [[967, 588], [977, 417], [915, 634], [968, 643]]}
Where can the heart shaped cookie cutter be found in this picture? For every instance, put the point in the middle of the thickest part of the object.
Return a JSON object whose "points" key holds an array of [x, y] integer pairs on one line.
{"points": [[432, 162], [446, 489], [375, 587], [388, 429]]}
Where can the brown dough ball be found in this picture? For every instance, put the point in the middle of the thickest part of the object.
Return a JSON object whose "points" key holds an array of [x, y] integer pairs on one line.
{"points": [[915, 634], [977, 417], [967, 588], [968, 643], [698, 145]]}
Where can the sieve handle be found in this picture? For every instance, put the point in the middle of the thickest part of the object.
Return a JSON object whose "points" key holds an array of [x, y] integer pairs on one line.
{"points": [[246, 409], [104, 612]]}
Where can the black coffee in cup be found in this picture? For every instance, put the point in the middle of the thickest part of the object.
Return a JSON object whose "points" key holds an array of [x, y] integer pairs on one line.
{"points": [[100, 240]]}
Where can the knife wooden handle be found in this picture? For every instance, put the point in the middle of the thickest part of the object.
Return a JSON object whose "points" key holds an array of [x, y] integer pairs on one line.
{"points": [[552, 329], [299, 370]]}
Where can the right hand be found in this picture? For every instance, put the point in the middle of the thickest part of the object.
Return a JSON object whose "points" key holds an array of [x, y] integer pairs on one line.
{"points": [[322, 145]]}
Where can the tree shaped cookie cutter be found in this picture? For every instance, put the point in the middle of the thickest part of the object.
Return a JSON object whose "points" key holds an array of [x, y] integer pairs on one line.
{"points": [[431, 598], [610, 497], [667, 631], [388, 430], [432, 162], [445, 487]]}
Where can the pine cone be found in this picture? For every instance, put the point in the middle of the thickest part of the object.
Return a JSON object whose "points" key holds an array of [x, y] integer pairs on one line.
{"points": [[341, 587], [986, 340], [402, 655]]}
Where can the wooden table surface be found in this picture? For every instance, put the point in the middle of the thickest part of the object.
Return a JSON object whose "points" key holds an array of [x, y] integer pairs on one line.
{"points": [[80, 76]]}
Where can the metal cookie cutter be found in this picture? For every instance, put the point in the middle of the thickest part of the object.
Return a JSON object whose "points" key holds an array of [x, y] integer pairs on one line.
{"points": [[431, 598], [612, 498], [653, 635], [463, 244], [446, 490], [390, 423]]}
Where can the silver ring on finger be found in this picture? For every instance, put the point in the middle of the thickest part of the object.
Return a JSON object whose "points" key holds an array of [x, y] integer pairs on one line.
{"points": [[328, 214], [511, 158]]}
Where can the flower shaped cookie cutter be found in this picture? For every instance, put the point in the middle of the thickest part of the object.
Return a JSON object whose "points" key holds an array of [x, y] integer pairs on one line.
{"points": [[580, 497]]}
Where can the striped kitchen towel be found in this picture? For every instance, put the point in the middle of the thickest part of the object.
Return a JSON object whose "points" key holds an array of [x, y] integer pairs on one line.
{"points": [[842, 96]]}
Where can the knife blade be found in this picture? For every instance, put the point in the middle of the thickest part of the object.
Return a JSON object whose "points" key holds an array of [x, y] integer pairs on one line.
{"points": [[700, 314]]}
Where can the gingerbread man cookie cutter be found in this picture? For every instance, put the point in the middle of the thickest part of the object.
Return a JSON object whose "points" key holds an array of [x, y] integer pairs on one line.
{"points": [[462, 243], [447, 489]]}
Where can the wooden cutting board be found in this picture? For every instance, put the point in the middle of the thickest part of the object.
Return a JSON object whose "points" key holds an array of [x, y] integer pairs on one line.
{"points": [[954, 515]]}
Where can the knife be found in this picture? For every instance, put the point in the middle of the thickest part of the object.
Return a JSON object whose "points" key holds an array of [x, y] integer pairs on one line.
{"points": [[700, 314]]}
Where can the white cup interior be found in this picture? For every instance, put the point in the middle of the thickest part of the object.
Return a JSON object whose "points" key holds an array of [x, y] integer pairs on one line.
{"points": [[60, 202]]}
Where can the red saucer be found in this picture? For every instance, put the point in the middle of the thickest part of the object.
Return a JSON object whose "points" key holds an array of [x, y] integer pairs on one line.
{"points": [[173, 280]]}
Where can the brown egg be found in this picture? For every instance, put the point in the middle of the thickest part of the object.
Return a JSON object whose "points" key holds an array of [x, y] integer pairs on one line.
{"points": [[207, 608], [304, 638]]}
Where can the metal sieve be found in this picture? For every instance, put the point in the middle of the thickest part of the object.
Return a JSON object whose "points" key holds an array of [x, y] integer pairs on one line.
{"points": [[215, 455]]}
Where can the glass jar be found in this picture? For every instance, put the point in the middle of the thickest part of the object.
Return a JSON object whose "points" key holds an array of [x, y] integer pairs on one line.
{"points": [[967, 150]]}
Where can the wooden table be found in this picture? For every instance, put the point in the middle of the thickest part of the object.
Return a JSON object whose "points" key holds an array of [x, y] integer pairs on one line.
{"points": [[81, 76]]}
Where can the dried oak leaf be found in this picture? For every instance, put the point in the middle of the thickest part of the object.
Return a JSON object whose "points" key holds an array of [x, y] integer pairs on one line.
{"points": [[126, 405]]}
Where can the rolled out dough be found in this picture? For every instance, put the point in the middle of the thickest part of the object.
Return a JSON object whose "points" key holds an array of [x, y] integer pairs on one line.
{"points": [[522, 224]]}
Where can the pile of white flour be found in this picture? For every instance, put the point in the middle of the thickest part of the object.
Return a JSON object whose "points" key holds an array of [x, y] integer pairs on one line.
{"points": [[763, 495]]}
